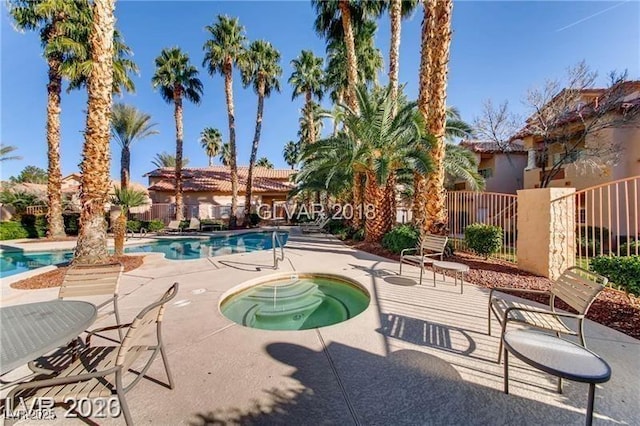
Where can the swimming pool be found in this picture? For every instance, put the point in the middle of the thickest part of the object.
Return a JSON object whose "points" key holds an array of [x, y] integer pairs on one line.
{"points": [[15, 262]]}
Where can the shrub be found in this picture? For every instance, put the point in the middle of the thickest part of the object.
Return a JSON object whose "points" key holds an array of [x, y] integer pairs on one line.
{"points": [[632, 246], [36, 226], [335, 226], [71, 223], [12, 230], [154, 225], [358, 235], [254, 219], [134, 225], [588, 239], [623, 271], [484, 240], [400, 238], [449, 249]]}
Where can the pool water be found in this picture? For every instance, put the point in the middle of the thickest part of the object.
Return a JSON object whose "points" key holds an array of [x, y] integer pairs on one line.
{"points": [[196, 248], [12, 263], [296, 303], [15, 262]]}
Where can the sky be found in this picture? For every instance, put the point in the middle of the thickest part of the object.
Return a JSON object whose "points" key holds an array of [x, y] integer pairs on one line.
{"points": [[498, 51]]}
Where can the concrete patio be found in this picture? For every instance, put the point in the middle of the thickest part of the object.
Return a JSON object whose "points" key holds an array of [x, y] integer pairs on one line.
{"points": [[417, 355]]}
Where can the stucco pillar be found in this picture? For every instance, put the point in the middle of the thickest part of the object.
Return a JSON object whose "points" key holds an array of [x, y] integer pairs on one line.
{"points": [[531, 159], [546, 230]]}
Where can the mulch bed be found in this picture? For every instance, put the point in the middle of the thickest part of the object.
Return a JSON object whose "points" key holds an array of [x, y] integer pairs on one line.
{"points": [[54, 278], [612, 308]]}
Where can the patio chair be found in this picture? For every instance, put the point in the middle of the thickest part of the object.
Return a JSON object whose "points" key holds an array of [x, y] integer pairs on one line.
{"points": [[194, 225], [577, 287], [102, 371], [429, 248], [82, 281], [316, 226], [173, 226]]}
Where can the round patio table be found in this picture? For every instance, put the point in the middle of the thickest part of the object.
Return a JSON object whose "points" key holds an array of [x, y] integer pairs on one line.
{"points": [[458, 269], [564, 359], [33, 329]]}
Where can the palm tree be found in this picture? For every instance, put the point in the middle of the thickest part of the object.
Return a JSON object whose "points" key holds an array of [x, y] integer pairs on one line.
{"points": [[177, 79], [307, 130], [5, 150], [226, 48], [128, 125], [264, 162], [378, 145], [261, 67], [429, 212], [398, 9], [126, 198], [225, 154], [211, 141], [307, 78], [166, 160], [461, 164], [291, 153], [65, 28], [92, 238]]}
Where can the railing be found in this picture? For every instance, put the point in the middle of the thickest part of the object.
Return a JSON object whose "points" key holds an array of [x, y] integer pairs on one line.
{"points": [[607, 220], [36, 210], [489, 208], [167, 212], [275, 237]]}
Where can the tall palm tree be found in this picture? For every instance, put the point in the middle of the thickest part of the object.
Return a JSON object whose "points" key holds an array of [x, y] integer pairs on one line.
{"points": [[438, 21], [166, 160], [398, 9], [291, 153], [52, 18], [177, 79], [224, 49], [211, 141], [261, 68], [308, 79], [307, 130], [65, 29], [264, 162], [5, 150], [129, 125], [225, 154], [92, 238]]}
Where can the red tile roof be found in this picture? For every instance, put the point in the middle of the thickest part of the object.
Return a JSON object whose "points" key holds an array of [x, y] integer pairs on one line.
{"points": [[218, 179]]}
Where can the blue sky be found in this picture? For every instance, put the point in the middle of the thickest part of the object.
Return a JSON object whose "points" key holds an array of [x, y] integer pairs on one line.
{"points": [[499, 50]]}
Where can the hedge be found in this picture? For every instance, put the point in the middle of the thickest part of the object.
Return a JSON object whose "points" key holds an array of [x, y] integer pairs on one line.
{"points": [[484, 240], [12, 230], [623, 271], [400, 238]]}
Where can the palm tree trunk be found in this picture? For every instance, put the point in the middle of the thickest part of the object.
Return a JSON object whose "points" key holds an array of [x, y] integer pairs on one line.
{"points": [[92, 239], [395, 14], [352, 60], [436, 214], [420, 196], [254, 154], [210, 161], [119, 233], [54, 182], [177, 102], [310, 119], [228, 90], [374, 195], [358, 198], [125, 165], [389, 204]]}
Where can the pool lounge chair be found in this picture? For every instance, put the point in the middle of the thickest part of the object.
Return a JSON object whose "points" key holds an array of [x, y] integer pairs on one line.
{"points": [[173, 226], [316, 226], [194, 225]]}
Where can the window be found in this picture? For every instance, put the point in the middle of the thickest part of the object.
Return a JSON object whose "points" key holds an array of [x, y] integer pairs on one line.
{"points": [[570, 158], [486, 173]]}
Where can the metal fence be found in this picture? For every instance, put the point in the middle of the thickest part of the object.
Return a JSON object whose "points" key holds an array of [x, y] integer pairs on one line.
{"points": [[607, 220], [489, 208], [166, 212]]}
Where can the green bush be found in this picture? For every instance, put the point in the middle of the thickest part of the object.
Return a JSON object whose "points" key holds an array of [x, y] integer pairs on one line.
{"points": [[588, 239], [335, 226], [12, 230], [358, 235], [632, 246], [71, 223], [400, 238], [36, 226], [254, 219], [484, 240], [623, 271], [154, 225], [134, 225]]}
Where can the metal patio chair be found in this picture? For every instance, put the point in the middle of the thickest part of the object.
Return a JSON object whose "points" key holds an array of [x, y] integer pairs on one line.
{"points": [[104, 371], [429, 248]]}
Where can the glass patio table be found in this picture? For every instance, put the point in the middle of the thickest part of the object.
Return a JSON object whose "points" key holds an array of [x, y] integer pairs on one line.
{"points": [[31, 330]]}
